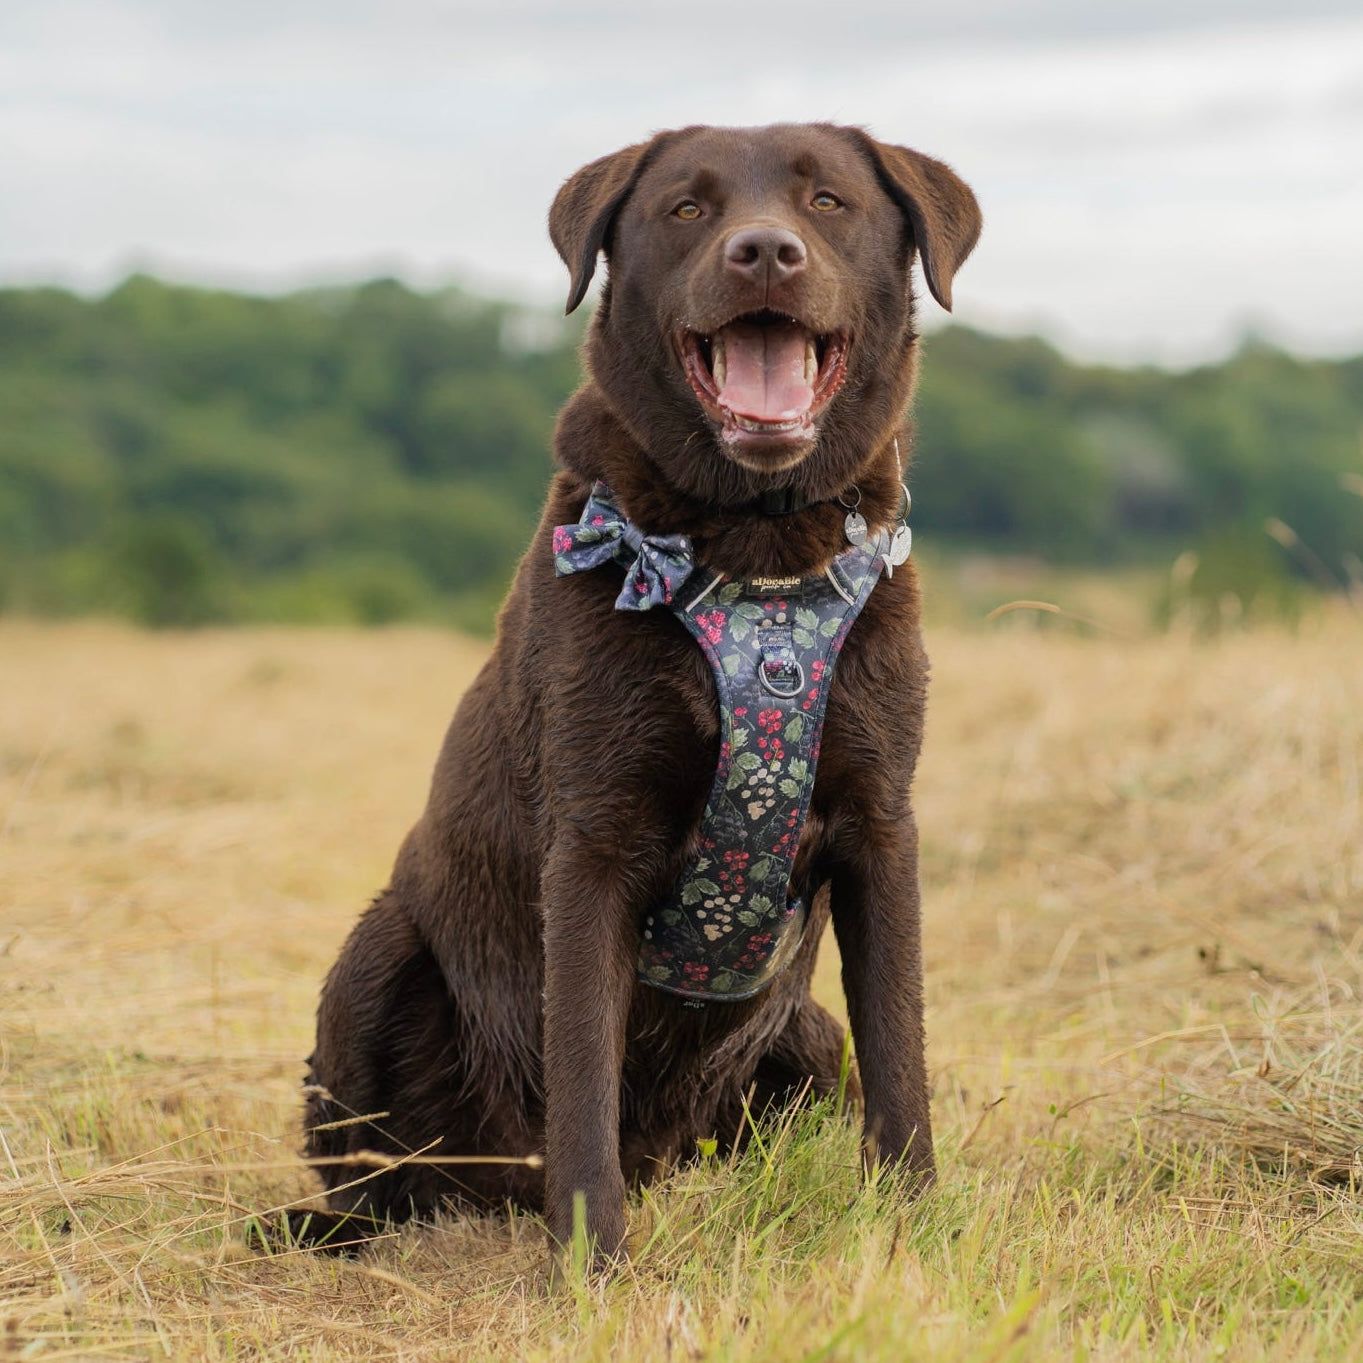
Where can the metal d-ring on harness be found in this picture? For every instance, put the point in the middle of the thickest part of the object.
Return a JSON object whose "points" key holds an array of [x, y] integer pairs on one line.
{"points": [[733, 921]]}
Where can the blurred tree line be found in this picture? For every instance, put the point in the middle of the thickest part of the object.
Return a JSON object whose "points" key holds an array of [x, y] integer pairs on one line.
{"points": [[370, 453]]}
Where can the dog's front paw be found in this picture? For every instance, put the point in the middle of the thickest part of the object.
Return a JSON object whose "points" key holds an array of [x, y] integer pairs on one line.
{"points": [[906, 1168], [574, 1271], [588, 1243]]}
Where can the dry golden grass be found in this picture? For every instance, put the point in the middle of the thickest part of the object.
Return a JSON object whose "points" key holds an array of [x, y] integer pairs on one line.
{"points": [[1143, 865]]}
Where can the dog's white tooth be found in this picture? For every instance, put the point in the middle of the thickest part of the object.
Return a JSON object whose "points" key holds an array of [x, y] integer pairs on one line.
{"points": [[720, 367], [811, 362]]}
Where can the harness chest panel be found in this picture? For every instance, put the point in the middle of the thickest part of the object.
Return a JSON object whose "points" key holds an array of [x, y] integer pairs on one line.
{"points": [[732, 922]]}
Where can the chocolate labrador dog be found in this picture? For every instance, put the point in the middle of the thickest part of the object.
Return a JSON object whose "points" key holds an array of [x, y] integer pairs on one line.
{"points": [[588, 952]]}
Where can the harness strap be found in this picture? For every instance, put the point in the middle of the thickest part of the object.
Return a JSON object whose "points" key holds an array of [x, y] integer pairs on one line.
{"points": [[734, 920]]}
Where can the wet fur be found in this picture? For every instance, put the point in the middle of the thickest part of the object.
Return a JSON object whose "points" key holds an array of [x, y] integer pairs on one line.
{"points": [[486, 1002]]}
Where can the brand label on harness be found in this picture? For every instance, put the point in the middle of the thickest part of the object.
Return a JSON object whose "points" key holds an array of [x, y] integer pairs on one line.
{"points": [[769, 586]]}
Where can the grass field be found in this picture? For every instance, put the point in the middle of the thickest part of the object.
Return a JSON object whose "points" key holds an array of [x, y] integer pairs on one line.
{"points": [[1143, 866]]}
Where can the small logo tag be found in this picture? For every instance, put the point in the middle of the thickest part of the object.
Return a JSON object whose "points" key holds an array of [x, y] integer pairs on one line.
{"points": [[774, 586]]}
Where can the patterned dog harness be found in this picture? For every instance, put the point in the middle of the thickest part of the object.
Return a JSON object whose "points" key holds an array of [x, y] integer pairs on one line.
{"points": [[731, 923]]}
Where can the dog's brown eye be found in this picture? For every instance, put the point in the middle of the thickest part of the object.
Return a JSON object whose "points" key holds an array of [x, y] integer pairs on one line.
{"points": [[687, 212], [826, 203]]}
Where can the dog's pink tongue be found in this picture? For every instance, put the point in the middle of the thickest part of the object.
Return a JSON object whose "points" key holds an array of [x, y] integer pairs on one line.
{"points": [[764, 371]]}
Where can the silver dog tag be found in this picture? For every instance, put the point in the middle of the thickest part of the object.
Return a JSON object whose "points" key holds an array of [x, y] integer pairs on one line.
{"points": [[854, 527], [901, 546]]}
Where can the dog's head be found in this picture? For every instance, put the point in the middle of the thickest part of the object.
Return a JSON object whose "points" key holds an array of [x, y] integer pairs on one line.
{"points": [[756, 329]]}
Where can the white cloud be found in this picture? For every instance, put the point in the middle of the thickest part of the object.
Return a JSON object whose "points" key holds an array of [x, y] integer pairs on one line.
{"points": [[1146, 194]]}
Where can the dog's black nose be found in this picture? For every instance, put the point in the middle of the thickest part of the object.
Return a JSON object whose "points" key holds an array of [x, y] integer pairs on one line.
{"points": [[772, 252]]}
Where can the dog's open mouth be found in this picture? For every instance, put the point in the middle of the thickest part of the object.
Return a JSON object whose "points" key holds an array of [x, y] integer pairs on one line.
{"points": [[764, 376]]}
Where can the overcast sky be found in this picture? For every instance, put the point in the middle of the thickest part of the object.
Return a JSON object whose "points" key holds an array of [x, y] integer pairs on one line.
{"points": [[1156, 177]]}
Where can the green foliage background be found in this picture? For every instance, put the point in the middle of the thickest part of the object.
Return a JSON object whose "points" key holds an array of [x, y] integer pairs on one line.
{"points": [[370, 454]]}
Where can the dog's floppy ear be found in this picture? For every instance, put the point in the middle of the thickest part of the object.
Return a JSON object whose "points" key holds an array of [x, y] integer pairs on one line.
{"points": [[940, 207], [580, 218]]}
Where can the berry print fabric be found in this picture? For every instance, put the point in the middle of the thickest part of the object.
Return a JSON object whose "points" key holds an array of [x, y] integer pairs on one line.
{"points": [[732, 922], [655, 566]]}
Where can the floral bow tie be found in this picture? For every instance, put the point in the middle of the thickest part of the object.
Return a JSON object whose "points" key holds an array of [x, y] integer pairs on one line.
{"points": [[656, 566]]}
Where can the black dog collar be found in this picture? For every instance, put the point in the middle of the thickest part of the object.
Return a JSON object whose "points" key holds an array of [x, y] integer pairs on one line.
{"points": [[782, 501]]}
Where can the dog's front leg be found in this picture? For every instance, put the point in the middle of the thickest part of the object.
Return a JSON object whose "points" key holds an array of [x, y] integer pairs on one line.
{"points": [[876, 919], [589, 974]]}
